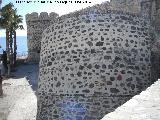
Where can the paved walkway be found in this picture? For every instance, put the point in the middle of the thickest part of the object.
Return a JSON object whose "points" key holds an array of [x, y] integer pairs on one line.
{"points": [[19, 101], [145, 106]]}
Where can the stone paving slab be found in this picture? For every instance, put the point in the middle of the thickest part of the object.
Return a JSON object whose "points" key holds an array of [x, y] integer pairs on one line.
{"points": [[145, 106], [19, 101]]}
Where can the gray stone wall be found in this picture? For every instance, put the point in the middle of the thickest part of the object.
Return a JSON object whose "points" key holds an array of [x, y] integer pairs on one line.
{"points": [[91, 64], [35, 26], [149, 9], [132, 6]]}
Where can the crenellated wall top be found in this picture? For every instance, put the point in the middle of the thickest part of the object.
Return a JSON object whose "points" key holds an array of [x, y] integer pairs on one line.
{"points": [[34, 16]]}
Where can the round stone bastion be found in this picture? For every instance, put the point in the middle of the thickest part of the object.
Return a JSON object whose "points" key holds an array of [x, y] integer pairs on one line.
{"points": [[91, 64]]}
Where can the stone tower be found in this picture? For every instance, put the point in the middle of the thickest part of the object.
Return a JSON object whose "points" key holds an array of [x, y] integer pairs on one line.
{"points": [[92, 63], [93, 60], [35, 26]]}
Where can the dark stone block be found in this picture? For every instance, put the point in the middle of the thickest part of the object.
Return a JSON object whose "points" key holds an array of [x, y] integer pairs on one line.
{"points": [[106, 29], [119, 77], [147, 59], [110, 66], [134, 51], [69, 60], [74, 56], [50, 90], [106, 106], [88, 21], [69, 45], [107, 57], [100, 20], [104, 48], [143, 44], [122, 65], [97, 66], [132, 41], [104, 66], [89, 66], [52, 59], [75, 40], [82, 26], [119, 30], [140, 73], [61, 52], [77, 60], [89, 29], [66, 68], [56, 116], [93, 51], [67, 52], [112, 78], [55, 78], [99, 43], [75, 46], [60, 48], [133, 31], [129, 79], [81, 67], [131, 67], [124, 17], [90, 34], [117, 59], [83, 31], [86, 91], [102, 38], [91, 85], [79, 82], [109, 83], [109, 51], [58, 84], [49, 64], [74, 52], [79, 74], [132, 86], [100, 25], [114, 90], [133, 28], [76, 27], [127, 45], [117, 17], [90, 43]]}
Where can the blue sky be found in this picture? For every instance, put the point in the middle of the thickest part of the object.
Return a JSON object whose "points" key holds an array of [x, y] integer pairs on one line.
{"points": [[60, 8]]}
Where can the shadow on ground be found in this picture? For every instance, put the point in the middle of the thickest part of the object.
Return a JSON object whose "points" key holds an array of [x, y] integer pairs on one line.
{"points": [[30, 71]]}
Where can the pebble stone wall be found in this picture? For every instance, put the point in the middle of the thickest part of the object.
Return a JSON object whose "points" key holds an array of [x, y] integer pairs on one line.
{"points": [[91, 64], [35, 26]]}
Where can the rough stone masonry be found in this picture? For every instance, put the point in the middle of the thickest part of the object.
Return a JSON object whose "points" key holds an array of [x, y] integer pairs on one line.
{"points": [[92, 61]]}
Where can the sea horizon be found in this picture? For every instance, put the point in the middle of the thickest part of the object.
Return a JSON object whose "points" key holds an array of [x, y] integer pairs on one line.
{"points": [[22, 48]]}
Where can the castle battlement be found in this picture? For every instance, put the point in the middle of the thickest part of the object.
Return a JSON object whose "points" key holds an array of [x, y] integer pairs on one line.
{"points": [[34, 16]]}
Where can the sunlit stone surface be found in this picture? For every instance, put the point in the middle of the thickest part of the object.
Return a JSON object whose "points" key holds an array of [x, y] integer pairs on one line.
{"points": [[91, 64]]}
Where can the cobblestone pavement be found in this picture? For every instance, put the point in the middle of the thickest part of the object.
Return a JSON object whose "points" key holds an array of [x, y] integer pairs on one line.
{"points": [[145, 106]]}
